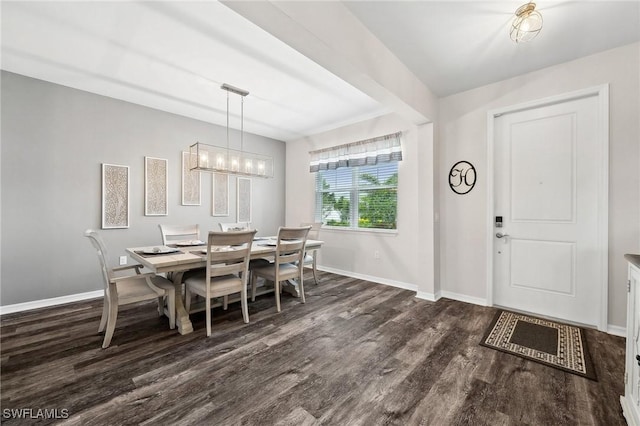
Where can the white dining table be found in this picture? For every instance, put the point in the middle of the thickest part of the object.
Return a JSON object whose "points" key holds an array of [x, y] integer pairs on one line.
{"points": [[192, 257]]}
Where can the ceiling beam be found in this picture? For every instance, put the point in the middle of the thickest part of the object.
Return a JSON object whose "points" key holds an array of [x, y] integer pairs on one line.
{"points": [[329, 34]]}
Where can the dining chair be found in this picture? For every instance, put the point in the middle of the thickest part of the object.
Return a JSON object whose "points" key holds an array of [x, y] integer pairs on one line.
{"points": [[310, 255], [288, 261], [126, 289], [239, 226], [172, 234], [227, 270]]}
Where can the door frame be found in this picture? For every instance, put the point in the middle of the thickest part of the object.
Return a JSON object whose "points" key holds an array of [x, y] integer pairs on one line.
{"points": [[602, 94]]}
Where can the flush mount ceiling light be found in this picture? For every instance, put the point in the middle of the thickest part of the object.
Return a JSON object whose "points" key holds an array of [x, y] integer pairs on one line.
{"points": [[211, 158], [527, 23]]}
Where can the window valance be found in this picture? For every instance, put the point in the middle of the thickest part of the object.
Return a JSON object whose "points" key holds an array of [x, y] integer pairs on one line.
{"points": [[381, 149]]}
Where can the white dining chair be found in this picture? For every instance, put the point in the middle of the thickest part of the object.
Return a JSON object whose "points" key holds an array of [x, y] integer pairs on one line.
{"points": [[227, 270], [288, 262], [122, 290], [172, 234]]}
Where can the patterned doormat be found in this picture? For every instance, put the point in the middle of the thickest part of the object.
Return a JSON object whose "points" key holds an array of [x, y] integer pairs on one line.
{"points": [[555, 344]]}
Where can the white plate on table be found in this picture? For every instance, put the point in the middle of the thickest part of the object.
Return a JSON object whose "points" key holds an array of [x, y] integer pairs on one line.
{"points": [[190, 243], [160, 250]]}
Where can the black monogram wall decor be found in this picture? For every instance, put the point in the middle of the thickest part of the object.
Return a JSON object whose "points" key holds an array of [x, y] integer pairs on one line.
{"points": [[462, 177]]}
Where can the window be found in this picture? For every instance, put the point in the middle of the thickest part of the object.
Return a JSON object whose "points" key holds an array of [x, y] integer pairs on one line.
{"points": [[358, 197]]}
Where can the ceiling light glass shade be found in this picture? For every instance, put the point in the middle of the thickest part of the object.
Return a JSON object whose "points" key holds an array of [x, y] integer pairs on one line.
{"points": [[527, 23], [211, 158]]}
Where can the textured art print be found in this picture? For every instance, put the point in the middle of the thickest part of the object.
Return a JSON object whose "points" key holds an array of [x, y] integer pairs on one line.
{"points": [[115, 196], [155, 186], [220, 194], [244, 200], [190, 181]]}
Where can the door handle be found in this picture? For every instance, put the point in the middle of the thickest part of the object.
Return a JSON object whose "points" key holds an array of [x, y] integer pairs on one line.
{"points": [[501, 235]]}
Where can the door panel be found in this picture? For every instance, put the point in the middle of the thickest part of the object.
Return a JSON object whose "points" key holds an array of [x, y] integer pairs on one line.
{"points": [[542, 170], [543, 266], [546, 190]]}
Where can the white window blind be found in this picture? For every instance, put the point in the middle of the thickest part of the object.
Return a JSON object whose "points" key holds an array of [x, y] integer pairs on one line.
{"points": [[358, 197]]}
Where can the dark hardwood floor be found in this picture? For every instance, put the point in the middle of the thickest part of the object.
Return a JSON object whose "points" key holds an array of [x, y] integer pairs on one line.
{"points": [[356, 353]]}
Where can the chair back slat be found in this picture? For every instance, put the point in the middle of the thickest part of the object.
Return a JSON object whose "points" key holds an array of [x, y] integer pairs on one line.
{"points": [[289, 258], [220, 270]]}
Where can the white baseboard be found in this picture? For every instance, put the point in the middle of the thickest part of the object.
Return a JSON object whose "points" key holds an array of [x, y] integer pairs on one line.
{"points": [[463, 298], [45, 303], [392, 283], [449, 295], [612, 329], [426, 296], [616, 330], [419, 294]]}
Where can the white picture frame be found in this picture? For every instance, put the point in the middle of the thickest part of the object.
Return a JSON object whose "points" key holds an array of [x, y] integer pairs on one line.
{"points": [[243, 210], [156, 186], [219, 194], [191, 182], [115, 196]]}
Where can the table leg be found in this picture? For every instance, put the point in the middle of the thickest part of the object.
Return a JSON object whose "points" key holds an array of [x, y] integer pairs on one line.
{"points": [[182, 316], [291, 287]]}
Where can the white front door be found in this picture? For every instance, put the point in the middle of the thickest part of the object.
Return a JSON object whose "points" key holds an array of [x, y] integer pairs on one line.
{"points": [[548, 168]]}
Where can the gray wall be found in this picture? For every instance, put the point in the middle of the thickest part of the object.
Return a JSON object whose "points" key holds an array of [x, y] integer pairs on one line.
{"points": [[54, 140]]}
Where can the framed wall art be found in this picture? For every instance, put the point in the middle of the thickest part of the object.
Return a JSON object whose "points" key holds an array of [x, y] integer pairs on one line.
{"points": [[462, 177], [220, 194], [156, 186], [115, 196], [244, 200], [191, 182]]}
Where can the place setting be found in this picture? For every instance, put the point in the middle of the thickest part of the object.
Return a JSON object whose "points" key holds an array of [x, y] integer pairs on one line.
{"points": [[189, 243], [157, 251]]}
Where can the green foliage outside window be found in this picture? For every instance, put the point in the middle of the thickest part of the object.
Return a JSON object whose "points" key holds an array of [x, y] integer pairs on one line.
{"points": [[378, 207], [374, 187]]}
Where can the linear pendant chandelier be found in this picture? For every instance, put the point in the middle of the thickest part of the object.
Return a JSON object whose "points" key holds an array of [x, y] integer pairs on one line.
{"points": [[211, 158]]}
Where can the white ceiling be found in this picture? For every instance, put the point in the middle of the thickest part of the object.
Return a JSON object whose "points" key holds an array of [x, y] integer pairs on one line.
{"points": [[453, 46], [174, 56]]}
